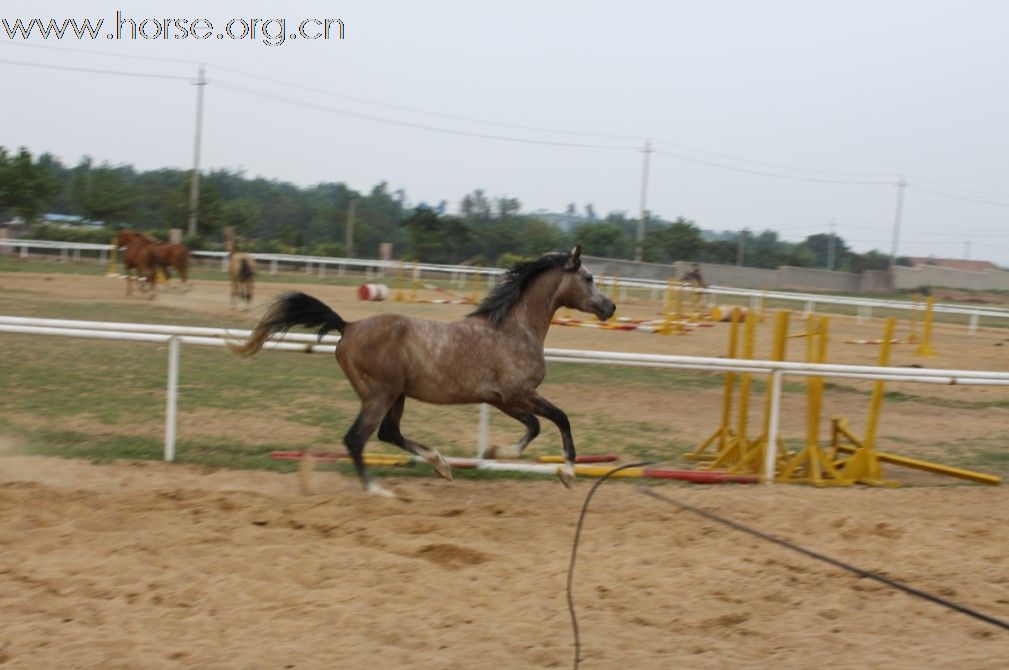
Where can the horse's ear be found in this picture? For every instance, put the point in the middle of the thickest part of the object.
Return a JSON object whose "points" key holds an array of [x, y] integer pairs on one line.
{"points": [[575, 258]]}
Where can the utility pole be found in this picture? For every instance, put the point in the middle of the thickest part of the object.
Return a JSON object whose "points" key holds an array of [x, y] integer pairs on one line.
{"points": [[830, 245], [194, 181], [901, 185], [741, 247], [639, 248], [348, 243]]}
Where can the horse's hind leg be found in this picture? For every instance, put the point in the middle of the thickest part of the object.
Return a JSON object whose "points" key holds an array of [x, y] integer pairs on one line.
{"points": [[548, 410], [389, 432], [532, 425], [364, 425]]}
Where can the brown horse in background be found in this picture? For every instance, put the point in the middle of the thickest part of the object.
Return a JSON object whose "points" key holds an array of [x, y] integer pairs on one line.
{"points": [[138, 258], [175, 256], [242, 272], [146, 256], [494, 355]]}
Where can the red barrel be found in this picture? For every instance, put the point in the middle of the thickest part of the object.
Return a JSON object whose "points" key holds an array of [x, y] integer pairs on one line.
{"points": [[372, 292]]}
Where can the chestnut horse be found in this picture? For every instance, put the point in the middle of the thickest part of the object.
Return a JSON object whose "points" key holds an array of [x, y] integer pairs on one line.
{"points": [[138, 257], [172, 255], [149, 255], [494, 355]]}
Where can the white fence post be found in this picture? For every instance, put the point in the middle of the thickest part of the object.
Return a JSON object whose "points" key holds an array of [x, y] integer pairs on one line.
{"points": [[771, 450], [173, 392], [972, 327]]}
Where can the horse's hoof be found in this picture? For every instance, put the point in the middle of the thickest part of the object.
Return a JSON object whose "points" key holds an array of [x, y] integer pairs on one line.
{"points": [[441, 466], [378, 490], [566, 473]]}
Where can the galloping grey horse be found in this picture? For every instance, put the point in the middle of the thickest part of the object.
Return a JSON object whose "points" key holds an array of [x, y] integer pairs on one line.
{"points": [[493, 355]]}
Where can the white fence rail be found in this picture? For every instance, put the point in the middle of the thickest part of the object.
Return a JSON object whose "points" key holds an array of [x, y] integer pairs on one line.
{"points": [[460, 273], [175, 336]]}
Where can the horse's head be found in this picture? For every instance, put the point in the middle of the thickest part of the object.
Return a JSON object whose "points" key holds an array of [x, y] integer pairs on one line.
{"points": [[124, 237], [579, 291]]}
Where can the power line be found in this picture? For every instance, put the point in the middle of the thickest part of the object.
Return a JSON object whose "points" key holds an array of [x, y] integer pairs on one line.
{"points": [[467, 119], [97, 52], [121, 73], [818, 180], [775, 165], [960, 188], [407, 124], [959, 197], [416, 110], [343, 96]]}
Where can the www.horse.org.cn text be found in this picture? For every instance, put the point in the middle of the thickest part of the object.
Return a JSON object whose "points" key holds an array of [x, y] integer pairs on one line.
{"points": [[269, 31]]}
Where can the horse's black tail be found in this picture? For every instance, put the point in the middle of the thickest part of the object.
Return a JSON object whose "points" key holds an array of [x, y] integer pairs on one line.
{"points": [[287, 311]]}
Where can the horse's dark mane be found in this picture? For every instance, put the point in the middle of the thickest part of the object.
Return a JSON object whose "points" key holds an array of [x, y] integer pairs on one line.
{"points": [[516, 280]]}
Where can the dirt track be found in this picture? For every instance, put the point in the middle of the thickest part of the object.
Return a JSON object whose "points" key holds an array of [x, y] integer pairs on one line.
{"points": [[149, 565]]}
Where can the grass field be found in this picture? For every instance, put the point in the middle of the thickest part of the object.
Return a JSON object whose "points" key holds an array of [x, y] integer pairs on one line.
{"points": [[105, 400]]}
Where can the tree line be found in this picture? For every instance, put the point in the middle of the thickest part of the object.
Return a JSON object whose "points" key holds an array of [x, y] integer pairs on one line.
{"points": [[277, 216]]}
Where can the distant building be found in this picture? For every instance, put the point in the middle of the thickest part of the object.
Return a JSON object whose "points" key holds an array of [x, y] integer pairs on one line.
{"points": [[953, 263], [564, 221], [70, 221]]}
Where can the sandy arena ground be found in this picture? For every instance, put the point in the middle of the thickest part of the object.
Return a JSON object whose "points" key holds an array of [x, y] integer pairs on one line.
{"points": [[152, 565]]}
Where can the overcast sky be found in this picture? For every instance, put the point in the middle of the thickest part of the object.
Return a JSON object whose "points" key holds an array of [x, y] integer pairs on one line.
{"points": [[871, 89]]}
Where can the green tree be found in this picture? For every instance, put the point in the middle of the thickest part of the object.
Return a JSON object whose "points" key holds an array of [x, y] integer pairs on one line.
{"points": [[870, 260], [719, 251], [602, 238], [678, 241], [24, 185], [819, 246], [436, 239]]}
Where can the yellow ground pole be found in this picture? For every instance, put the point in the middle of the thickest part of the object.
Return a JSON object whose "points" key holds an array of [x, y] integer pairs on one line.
{"points": [[863, 463], [925, 348], [928, 466], [733, 451], [113, 271], [811, 465], [723, 433], [752, 460]]}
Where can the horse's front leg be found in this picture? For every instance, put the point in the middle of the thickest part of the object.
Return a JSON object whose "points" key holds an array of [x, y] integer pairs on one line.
{"points": [[389, 432], [543, 407], [532, 425]]}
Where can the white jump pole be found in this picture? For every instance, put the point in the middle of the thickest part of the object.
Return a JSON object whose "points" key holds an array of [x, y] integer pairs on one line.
{"points": [[771, 451], [173, 392], [483, 431]]}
